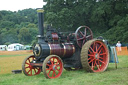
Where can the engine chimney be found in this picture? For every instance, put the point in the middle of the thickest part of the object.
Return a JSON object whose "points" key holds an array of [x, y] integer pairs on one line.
{"points": [[40, 25]]}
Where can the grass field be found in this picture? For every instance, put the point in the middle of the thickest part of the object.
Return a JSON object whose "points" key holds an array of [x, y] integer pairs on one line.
{"points": [[110, 77], [12, 60]]}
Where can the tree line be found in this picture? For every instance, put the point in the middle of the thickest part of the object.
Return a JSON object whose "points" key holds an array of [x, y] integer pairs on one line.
{"points": [[18, 27], [107, 18]]}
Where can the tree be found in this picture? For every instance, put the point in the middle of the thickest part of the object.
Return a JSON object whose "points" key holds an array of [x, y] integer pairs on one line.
{"points": [[24, 36]]}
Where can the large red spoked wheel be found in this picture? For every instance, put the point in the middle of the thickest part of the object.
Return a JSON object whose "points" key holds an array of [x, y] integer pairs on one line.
{"points": [[52, 67], [83, 34], [95, 56], [29, 70]]}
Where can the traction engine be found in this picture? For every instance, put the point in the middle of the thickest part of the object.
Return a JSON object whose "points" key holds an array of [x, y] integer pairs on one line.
{"points": [[71, 51]]}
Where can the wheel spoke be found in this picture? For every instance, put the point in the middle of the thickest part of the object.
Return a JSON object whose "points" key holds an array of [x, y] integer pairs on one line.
{"points": [[29, 60], [94, 63], [48, 69], [81, 33], [51, 61], [57, 62], [49, 72], [99, 51], [35, 71], [57, 66], [53, 73], [85, 32], [79, 39], [27, 67], [32, 58], [103, 53], [97, 65], [58, 69], [101, 61], [100, 57], [48, 64], [99, 48], [88, 36], [91, 60], [27, 63], [38, 68], [31, 72], [83, 42], [90, 55], [92, 49], [92, 66]]}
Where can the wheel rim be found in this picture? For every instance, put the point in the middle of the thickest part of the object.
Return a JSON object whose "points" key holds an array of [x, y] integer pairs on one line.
{"points": [[97, 56], [83, 34], [28, 69], [52, 67]]}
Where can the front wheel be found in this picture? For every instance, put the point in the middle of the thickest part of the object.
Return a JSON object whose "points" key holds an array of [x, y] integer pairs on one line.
{"points": [[52, 67], [28, 69], [95, 56]]}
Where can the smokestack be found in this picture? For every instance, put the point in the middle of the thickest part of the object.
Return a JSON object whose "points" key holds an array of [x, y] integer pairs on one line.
{"points": [[40, 25]]}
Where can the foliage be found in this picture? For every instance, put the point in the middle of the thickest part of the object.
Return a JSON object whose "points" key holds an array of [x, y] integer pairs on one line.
{"points": [[107, 18], [18, 26]]}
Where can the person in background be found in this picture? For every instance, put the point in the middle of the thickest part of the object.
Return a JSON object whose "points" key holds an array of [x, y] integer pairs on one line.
{"points": [[118, 46]]}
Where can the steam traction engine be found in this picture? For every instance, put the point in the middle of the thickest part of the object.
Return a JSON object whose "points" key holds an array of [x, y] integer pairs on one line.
{"points": [[72, 51]]}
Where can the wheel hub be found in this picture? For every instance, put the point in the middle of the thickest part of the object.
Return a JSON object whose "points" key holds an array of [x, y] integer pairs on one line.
{"points": [[54, 67], [97, 56]]}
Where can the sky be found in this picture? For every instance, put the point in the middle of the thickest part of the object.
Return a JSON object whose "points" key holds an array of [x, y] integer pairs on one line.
{"points": [[15, 5]]}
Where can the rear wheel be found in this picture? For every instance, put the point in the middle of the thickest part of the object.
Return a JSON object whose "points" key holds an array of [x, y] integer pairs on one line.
{"points": [[95, 56], [52, 67], [29, 70]]}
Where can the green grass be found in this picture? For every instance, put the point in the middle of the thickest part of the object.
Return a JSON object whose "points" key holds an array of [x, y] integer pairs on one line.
{"points": [[110, 77], [14, 55]]}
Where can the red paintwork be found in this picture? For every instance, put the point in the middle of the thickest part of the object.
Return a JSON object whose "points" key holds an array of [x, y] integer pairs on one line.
{"points": [[55, 36], [66, 50], [98, 56], [29, 69], [55, 68]]}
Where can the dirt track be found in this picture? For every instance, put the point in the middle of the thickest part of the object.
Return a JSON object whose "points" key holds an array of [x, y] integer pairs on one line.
{"points": [[7, 64], [15, 52]]}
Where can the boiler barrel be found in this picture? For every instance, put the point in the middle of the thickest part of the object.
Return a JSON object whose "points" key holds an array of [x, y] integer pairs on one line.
{"points": [[64, 50]]}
